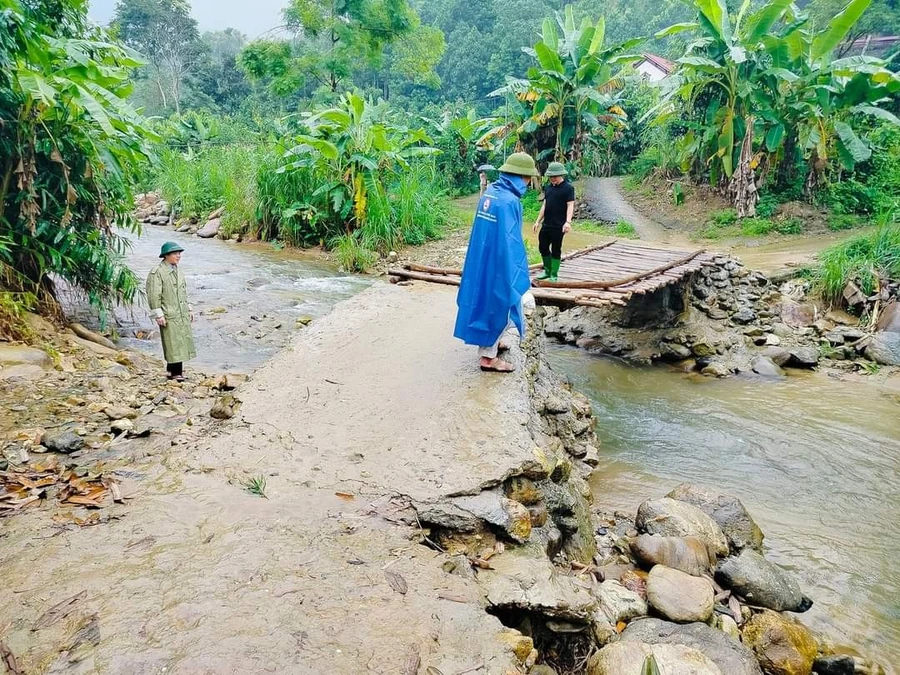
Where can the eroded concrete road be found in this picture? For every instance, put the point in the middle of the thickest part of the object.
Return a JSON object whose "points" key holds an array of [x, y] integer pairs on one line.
{"points": [[373, 404]]}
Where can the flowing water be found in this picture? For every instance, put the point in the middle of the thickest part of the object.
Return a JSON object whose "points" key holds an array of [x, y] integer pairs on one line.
{"points": [[247, 298], [816, 462]]}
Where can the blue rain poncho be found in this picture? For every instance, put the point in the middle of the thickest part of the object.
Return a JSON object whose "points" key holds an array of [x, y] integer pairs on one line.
{"points": [[495, 275]]}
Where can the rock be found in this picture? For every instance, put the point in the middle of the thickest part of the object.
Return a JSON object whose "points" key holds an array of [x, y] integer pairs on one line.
{"points": [[510, 516], [447, 515], [523, 578], [218, 213], [523, 490], [834, 665], [729, 626], [728, 653], [672, 518], [210, 230], [778, 355], [716, 369], [19, 355], [520, 645], [542, 670], [729, 513], [122, 426], [120, 412], [22, 371], [744, 316], [628, 658], [232, 381], [679, 596], [617, 603], [304, 320], [669, 351], [797, 314], [764, 366], [884, 349], [184, 227], [65, 442], [773, 340], [782, 646], [687, 554], [804, 357], [225, 408], [761, 582]]}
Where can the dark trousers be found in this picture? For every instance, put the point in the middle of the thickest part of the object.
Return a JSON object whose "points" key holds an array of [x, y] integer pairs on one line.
{"points": [[175, 369], [550, 242]]}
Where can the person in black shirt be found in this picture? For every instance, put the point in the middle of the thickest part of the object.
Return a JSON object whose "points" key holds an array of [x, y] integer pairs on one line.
{"points": [[556, 216]]}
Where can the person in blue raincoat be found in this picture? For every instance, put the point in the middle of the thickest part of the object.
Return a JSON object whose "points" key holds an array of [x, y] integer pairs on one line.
{"points": [[495, 275]]}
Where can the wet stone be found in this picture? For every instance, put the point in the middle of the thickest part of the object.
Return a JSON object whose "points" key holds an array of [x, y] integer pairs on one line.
{"points": [[834, 665], [729, 513], [687, 554], [672, 518], [679, 596], [761, 582], [782, 646]]}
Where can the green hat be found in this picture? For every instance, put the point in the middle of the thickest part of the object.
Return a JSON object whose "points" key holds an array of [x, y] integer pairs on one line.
{"points": [[170, 247], [520, 164], [556, 169]]}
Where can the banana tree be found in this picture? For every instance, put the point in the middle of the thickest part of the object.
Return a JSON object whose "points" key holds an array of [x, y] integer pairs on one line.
{"points": [[349, 148], [575, 79], [767, 87]]}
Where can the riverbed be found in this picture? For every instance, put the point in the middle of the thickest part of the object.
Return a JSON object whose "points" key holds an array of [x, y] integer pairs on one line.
{"points": [[815, 460]]}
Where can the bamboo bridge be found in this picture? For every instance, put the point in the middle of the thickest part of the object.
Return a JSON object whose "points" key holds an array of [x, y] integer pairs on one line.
{"points": [[608, 274]]}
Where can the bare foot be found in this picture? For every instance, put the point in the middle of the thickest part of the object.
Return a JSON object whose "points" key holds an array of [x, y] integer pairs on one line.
{"points": [[496, 365]]}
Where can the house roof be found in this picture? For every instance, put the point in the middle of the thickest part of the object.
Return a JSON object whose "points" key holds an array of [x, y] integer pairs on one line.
{"points": [[662, 63]]}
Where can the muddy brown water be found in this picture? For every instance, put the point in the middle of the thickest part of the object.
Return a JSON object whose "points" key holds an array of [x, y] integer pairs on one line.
{"points": [[246, 298], [816, 461]]}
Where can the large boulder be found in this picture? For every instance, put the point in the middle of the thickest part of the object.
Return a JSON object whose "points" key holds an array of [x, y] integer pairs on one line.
{"points": [[761, 582], [729, 654], [679, 596], [673, 518], [210, 230], [884, 348], [782, 646], [628, 658], [688, 554], [728, 512]]}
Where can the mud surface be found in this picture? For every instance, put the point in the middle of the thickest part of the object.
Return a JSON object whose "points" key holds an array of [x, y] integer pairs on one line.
{"points": [[374, 405]]}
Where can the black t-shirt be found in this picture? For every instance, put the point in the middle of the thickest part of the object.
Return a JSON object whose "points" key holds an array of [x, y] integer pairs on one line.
{"points": [[556, 202]]}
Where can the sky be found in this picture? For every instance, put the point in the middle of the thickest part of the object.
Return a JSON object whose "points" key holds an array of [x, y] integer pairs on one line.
{"points": [[251, 18]]}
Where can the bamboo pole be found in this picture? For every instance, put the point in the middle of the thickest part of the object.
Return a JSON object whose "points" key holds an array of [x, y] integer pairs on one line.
{"points": [[616, 282]]}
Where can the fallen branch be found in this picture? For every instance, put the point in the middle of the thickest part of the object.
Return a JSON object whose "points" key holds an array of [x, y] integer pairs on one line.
{"points": [[91, 336]]}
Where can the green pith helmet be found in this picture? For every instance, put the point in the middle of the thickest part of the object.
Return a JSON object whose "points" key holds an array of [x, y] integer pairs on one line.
{"points": [[170, 247], [555, 169], [520, 164]]}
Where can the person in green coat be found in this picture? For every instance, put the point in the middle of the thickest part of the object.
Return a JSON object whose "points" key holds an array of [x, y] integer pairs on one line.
{"points": [[167, 297]]}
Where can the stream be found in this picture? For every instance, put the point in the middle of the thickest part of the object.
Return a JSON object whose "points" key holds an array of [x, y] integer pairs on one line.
{"points": [[814, 460], [246, 297]]}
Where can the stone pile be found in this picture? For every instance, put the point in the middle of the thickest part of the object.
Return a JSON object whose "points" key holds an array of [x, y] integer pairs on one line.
{"points": [[151, 209]]}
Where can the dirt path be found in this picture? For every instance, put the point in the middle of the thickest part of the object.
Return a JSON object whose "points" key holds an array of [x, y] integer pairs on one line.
{"points": [[606, 202], [375, 404]]}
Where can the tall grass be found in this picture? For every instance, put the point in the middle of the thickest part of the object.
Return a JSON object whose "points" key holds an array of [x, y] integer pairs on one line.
{"points": [[862, 259], [198, 182]]}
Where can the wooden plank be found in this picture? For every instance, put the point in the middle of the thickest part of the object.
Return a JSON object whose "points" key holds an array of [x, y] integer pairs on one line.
{"points": [[620, 282]]}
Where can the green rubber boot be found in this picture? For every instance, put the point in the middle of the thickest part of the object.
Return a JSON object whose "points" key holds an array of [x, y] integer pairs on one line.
{"points": [[554, 269], [547, 269]]}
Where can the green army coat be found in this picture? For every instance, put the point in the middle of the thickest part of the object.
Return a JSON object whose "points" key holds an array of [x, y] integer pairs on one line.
{"points": [[167, 296]]}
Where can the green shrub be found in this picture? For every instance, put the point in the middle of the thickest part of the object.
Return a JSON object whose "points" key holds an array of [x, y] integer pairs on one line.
{"points": [[789, 226], [861, 259], [767, 206], [757, 227], [851, 196], [838, 222], [724, 217]]}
